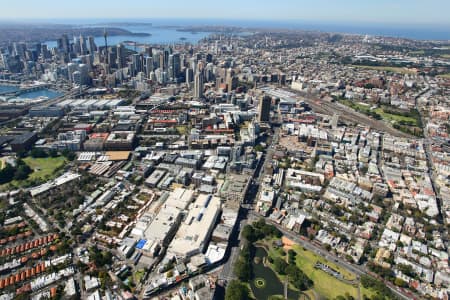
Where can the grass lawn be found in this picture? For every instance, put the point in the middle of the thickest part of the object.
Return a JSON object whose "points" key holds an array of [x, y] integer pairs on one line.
{"points": [[182, 130], [396, 118], [447, 56], [386, 116], [367, 292], [44, 167], [387, 69], [445, 76], [311, 295], [326, 285]]}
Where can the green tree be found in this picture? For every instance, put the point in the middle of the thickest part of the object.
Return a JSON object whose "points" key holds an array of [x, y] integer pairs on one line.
{"points": [[22, 172], [7, 174], [280, 266], [242, 269], [249, 233], [38, 153], [237, 291]]}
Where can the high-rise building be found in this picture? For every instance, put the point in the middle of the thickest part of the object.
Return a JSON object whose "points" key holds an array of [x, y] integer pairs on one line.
{"points": [[189, 75], [91, 45], [174, 66], [148, 66], [137, 63], [121, 60], [264, 109], [83, 46], [198, 85], [65, 43]]}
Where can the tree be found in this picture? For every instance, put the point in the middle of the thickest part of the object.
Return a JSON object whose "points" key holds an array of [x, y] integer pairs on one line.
{"points": [[280, 266], [53, 152], [237, 291], [7, 174], [298, 278], [242, 269], [68, 154], [22, 172], [400, 282], [249, 233], [38, 153]]}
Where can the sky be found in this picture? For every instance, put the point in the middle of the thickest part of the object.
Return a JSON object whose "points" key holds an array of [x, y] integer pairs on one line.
{"points": [[432, 12]]}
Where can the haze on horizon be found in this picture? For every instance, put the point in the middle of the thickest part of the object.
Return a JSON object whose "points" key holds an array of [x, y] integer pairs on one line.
{"points": [[430, 12]]}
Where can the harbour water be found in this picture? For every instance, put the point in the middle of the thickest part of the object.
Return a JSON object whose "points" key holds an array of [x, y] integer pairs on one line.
{"points": [[158, 35], [163, 34], [29, 96], [8, 89]]}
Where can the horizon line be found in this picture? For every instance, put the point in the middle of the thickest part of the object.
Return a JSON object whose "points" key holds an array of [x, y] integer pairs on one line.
{"points": [[280, 21]]}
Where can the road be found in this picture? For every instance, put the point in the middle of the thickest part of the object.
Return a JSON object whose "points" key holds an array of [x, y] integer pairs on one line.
{"points": [[357, 269]]}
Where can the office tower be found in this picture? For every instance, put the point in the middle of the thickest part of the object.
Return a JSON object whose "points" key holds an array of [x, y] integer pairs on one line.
{"points": [[83, 46], [59, 44], [162, 64], [232, 81], [264, 109], [170, 67], [149, 51], [65, 43], [20, 49], [76, 45], [148, 66], [189, 75], [84, 74], [121, 60], [91, 45], [198, 85], [174, 66], [193, 64], [136, 59], [105, 36], [71, 68], [111, 59]]}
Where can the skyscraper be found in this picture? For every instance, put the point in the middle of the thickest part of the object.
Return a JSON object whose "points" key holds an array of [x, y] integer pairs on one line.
{"points": [[148, 66], [65, 43], [198, 85], [83, 46], [91, 45], [121, 61], [264, 109]]}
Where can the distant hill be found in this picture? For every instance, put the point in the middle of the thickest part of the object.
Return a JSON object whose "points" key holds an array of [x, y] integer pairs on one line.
{"points": [[49, 32]]}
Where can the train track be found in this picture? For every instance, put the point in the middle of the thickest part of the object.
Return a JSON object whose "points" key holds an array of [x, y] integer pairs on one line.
{"points": [[347, 114]]}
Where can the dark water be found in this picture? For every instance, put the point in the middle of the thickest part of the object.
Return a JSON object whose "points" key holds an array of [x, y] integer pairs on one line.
{"points": [[273, 285]]}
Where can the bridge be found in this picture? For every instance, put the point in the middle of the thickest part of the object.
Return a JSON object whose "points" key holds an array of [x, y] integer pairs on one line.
{"points": [[25, 90], [9, 82]]}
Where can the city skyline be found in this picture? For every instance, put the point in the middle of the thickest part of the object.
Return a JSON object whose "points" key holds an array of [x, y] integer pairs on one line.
{"points": [[349, 11]]}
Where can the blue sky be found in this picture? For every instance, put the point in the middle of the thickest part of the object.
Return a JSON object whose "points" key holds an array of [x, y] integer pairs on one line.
{"points": [[364, 11]]}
